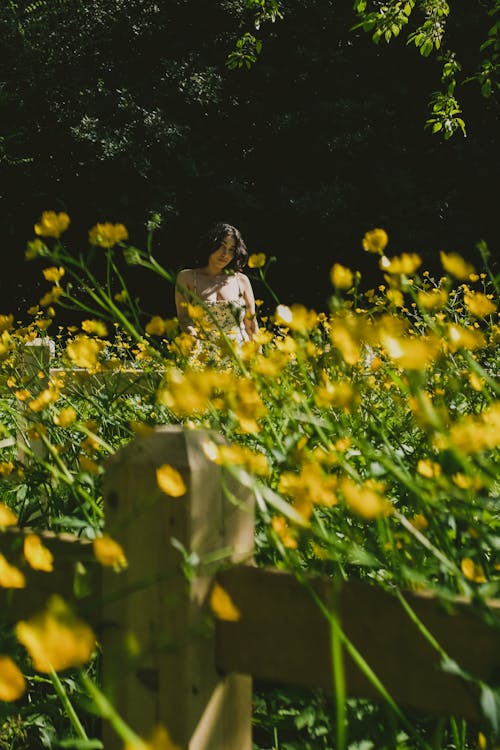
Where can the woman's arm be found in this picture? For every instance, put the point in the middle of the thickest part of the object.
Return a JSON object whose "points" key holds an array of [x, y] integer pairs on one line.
{"points": [[251, 324], [184, 285]]}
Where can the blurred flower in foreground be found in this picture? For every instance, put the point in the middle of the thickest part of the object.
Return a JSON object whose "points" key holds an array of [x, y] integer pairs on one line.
{"points": [[365, 500], [10, 576], [109, 553], [12, 682], [375, 241], [478, 304], [170, 481], [56, 639], [223, 606], [107, 234], [455, 265], [472, 571], [37, 555], [341, 277], [160, 740], [407, 263], [83, 351], [52, 224], [7, 516]]}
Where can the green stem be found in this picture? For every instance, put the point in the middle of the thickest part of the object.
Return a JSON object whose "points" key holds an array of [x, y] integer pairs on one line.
{"points": [[67, 705], [107, 711]]}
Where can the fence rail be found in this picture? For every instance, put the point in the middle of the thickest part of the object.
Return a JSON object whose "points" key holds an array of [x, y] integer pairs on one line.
{"points": [[194, 675]]}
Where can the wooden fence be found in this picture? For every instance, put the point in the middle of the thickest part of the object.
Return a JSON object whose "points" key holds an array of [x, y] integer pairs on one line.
{"points": [[167, 660]]}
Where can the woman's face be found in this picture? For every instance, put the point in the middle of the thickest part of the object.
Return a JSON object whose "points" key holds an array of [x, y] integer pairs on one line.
{"points": [[224, 254]]}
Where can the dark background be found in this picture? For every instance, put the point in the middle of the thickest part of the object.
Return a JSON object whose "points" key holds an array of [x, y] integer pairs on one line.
{"points": [[113, 111]]}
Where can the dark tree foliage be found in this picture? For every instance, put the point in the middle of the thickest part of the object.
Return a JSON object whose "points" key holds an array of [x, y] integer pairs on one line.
{"points": [[117, 109]]}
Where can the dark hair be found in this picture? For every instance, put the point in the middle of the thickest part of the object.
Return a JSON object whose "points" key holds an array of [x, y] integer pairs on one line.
{"points": [[213, 238]]}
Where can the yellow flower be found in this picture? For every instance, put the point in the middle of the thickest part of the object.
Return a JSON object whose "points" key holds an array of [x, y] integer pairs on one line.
{"points": [[156, 326], [365, 500], [411, 354], [346, 334], [95, 326], [472, 571], [223, 606], [53, 273], [66, 416], [44, 398], [311, 486], [86, 464], [83, 351], [419, 522], [37, 555], [477, 433], [375, 241], [52, 224], [341, 277], [6, 469], [464, 338], [160, 740], [428, 469], [35, 248], [10, 576], [436, 299], [107, 234], [121, 296], [6, 322], [455, 265], [340, 394], [395, 297], [109, 553], [55, 639], [12, 682], [51, 296], [407, 263], [257, 260], [170, 481], [240, 455], [7, 516], [282, 529], [478, 304]]}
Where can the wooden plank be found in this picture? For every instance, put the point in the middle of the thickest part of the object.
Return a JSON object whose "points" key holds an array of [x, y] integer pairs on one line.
{"points": [[283, 637], [69, 551], [171, 678]]}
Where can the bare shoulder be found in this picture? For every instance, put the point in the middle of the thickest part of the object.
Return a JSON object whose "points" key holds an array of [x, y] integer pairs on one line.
{"points": [[244, 280], [185, 276]]}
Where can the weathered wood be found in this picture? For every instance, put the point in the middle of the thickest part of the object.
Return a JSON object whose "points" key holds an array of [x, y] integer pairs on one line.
{"points": [[74, 563], [283, 637], [172, 677]]}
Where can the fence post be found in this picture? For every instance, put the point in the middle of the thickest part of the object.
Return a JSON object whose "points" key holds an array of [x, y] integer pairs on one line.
{"points": [[157, 631]]}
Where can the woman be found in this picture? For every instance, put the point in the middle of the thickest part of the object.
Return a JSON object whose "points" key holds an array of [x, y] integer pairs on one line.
{"points": [[215, 302]]}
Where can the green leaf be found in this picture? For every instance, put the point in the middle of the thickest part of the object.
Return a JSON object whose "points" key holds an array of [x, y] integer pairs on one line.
{"points": [[75, 744], [426, 48], [490, 706]]}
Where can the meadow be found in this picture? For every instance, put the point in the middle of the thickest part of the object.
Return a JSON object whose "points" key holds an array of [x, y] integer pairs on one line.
{"points": [[369, 433]]}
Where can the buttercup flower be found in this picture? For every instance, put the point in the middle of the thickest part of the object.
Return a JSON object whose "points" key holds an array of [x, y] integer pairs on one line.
{"points": [[107, 234], [341, 277], [375, 241], [478, 304], [53, 273], [223, 606], [455, 265], [37, 555], [407, 263], [257, 260], [109, 553], [12, 682], [56, 639], [52, 224], [170, 481]]}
